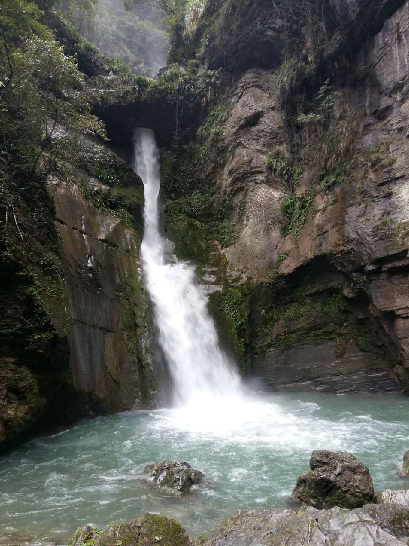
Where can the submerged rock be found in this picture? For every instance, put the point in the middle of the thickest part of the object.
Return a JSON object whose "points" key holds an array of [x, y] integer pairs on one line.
{"points": [[400, 497], [371, 525], [405, 465], [173, 475], [335, 479], [148, 530]]}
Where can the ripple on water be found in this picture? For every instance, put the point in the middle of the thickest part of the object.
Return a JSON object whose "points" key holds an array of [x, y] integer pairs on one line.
{"points": [[251, 450]]}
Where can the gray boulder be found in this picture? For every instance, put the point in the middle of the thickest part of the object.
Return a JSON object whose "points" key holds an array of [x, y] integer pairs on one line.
{"points": [[371, 525], [405, 465], [335, 479], [393, 497], [174, 476]]}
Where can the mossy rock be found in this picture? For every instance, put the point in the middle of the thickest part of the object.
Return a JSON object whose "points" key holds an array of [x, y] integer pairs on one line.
{"points": [[148, 530]]}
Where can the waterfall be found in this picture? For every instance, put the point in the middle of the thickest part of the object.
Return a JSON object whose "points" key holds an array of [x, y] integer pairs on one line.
{"points": [[187, 334]]}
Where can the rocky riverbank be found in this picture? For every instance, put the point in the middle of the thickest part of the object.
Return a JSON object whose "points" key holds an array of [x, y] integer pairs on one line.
{"points": [[335, 479]]}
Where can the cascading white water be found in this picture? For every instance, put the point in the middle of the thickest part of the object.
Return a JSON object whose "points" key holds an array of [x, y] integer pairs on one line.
{"points": [[187, 334]]}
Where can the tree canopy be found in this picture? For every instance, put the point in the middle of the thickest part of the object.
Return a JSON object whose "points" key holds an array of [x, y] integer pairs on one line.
{"points": [[44, 105]]}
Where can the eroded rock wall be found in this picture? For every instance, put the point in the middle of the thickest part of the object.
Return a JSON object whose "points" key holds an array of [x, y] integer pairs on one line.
{"points": [[76, 336], [106, 305], [319, 210]]}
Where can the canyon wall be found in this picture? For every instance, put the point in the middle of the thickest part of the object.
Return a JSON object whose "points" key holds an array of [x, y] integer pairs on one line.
{"points": [[284, 136], [77, 335], [308, 169]]}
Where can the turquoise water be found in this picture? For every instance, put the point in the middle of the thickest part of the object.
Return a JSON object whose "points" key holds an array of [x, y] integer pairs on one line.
{"points": [[251, 450]]}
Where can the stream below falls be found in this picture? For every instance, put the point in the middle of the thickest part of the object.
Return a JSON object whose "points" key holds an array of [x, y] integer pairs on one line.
{"points": [[252, 450]]}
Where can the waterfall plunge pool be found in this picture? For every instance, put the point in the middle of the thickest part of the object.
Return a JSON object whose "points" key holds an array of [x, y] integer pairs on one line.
{"points": [[251, 450]]}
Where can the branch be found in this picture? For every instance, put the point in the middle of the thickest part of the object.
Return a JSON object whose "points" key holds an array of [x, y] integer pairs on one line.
{"points": [[8, 56], [46, 142], [15, 220]]}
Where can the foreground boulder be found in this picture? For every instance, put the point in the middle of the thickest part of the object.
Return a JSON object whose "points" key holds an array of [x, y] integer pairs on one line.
{"points": [[148, 530], [371, 525], [335, 479], [173, 475], [393, 497], [405, 465]]}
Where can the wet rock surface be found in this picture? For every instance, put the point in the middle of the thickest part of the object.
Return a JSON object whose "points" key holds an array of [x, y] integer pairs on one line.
{"points": [[355, 239], [335, 479], [171, 475], [108, 312], [393, 497], [405, 465], [371, 525]]}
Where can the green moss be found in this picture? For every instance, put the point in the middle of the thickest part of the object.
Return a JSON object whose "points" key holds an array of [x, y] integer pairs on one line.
{"points": [[366, 341], [274, 275], [171, 533], [331, 318], [108, 168], [87, 539], [316, 337], [190, 238], [195, 206], [110, 201], [233, 307], [400, 523]]}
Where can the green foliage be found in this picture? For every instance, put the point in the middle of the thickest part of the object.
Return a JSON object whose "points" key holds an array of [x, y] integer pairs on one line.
{"points": [[112, 201], [395, 232], [195, 206], [309, 119], [101, 163], [221, 231], [328, 179], [81, 13], [321, 107], [183, 166], [379, 156], [332, 318], [279, 165], [296, 210], [45, 107]]}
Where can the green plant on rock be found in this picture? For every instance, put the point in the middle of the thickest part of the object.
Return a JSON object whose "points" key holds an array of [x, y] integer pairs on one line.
{"points": [[222, 232], [396, 232], [321, 107], [296, 210], [279, 165], [183, 165], [379, 156], [111, 202], [333, 318], [194, 206]]}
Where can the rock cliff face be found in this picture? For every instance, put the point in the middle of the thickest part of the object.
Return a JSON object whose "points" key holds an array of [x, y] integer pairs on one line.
{"points": [[313, 176], [292, 196], [76, 336], [106, 306]]}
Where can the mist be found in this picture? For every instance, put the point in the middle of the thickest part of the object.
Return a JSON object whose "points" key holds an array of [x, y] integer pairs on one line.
{"points": [[138, 37]]}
